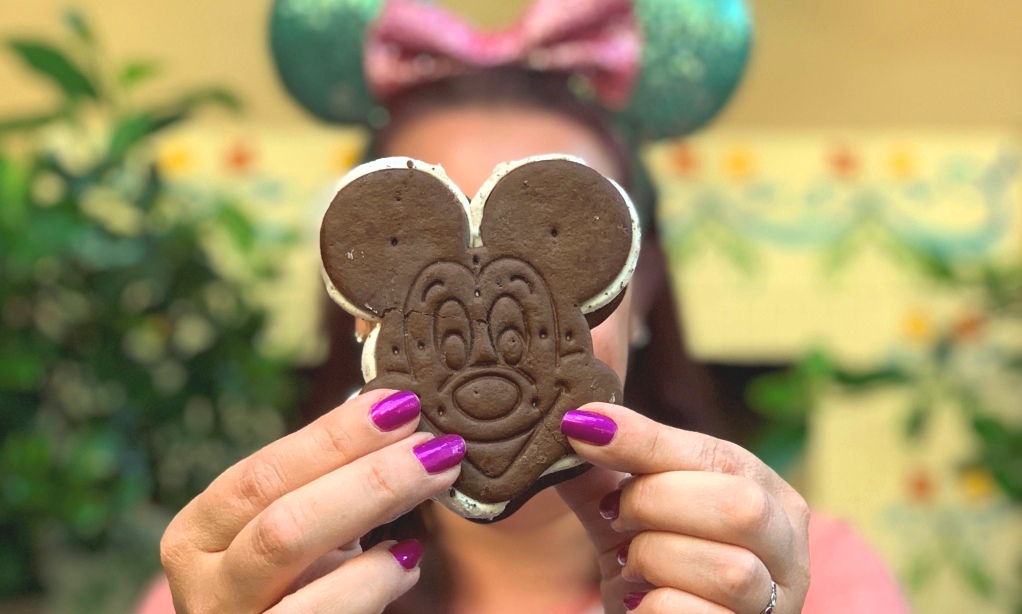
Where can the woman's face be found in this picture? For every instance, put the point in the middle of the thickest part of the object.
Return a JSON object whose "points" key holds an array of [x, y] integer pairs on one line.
{"points": [[469, 142]]}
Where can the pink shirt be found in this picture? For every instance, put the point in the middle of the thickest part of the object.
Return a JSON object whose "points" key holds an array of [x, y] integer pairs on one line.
{"points": [[847, 576]]}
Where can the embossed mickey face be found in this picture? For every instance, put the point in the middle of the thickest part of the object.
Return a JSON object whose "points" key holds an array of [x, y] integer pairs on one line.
{"points": [[485, 337], [489, 326]]}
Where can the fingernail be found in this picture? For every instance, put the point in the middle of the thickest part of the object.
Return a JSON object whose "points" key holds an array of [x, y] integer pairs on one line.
{"points": [[632, 600], [610, 505], [408, 553], [441, 453], [622, 555], [395, 410], [589, 427]]}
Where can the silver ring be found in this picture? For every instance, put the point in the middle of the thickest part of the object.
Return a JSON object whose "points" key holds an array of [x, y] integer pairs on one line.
{"points": [[773, 599]]}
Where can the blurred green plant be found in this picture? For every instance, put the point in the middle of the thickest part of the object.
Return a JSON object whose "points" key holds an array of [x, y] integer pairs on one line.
{"points": [[972, 365], [129, 372], [945, 372]]}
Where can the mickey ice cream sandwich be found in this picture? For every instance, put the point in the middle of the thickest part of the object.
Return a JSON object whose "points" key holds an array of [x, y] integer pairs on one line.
{"points": [[483, 308]]}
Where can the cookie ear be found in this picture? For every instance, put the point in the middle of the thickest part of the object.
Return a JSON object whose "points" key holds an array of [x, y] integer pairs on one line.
{"points": [[577, 227], [389, 220]]}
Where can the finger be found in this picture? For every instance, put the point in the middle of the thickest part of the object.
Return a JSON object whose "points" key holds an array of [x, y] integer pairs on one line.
{"points": [[361, 425], [327, 563], [583, 495], [306, 523], [727, 575], [362, 585], [671, 601], [620, 439], [721, 508], [614, 590]]}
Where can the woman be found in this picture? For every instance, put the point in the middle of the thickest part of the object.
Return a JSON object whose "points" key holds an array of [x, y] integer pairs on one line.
{"points": [[669, 521]]}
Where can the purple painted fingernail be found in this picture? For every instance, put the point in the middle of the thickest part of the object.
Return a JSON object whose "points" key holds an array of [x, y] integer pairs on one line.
{"points": [[441, 453], [610, 505], [588, 426], [395, 410], [632, 600], [407, 553], [622, 555]]}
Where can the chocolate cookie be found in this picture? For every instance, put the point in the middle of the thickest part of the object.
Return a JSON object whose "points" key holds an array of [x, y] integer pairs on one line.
{"points": [[484, 307]]}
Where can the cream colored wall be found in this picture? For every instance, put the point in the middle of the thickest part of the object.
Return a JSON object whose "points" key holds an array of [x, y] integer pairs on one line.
{"points": [[849, 64], [817, 63]]}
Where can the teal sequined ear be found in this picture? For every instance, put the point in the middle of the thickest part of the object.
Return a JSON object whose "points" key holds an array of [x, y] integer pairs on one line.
{"points": [[693, 55], [317, 45]]}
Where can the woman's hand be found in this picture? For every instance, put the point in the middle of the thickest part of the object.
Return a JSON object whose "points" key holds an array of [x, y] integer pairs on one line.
{"points": [[280, 530], [702, 527]]}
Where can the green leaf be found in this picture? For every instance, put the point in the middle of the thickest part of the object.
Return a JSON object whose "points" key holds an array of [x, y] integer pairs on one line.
{"points": [[128, 132], [993, 433], [1007, 474], [840, 253], [878, 377], [133, 73], [942, 351], [30, 453], [780, 445], [1000, 450], [784, 397], [14, 182], [131, 129], [55, 65], [816, 365], [238, 227], [16, 550], [1013, 362], [76, 21], [28, 122], [739, 251], [215, 96], [150, 189], [21, 372], [918, 420], [934, 266], [920, 571], [976, 574]]}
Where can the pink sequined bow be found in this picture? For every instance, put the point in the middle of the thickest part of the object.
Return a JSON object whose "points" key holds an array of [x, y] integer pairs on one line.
{"points": [[412, 43]]}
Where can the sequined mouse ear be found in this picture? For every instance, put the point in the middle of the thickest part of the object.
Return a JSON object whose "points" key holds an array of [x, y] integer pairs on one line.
{"points": [[693, 55], [317, 47]]}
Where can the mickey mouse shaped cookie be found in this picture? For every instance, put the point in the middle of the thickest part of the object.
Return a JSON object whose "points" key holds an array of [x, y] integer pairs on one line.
{"points": [[483, 308]]}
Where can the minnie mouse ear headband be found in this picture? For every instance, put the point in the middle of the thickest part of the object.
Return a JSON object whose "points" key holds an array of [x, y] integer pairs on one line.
{"points": [[662, 68]]}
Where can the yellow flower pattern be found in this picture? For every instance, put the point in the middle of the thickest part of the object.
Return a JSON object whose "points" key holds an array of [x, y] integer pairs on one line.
{"points": [[739, 163], [175, 159]]}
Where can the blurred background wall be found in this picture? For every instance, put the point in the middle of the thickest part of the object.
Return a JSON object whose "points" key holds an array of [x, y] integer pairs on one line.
{"points": [[816, 63], [897, 120]]}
